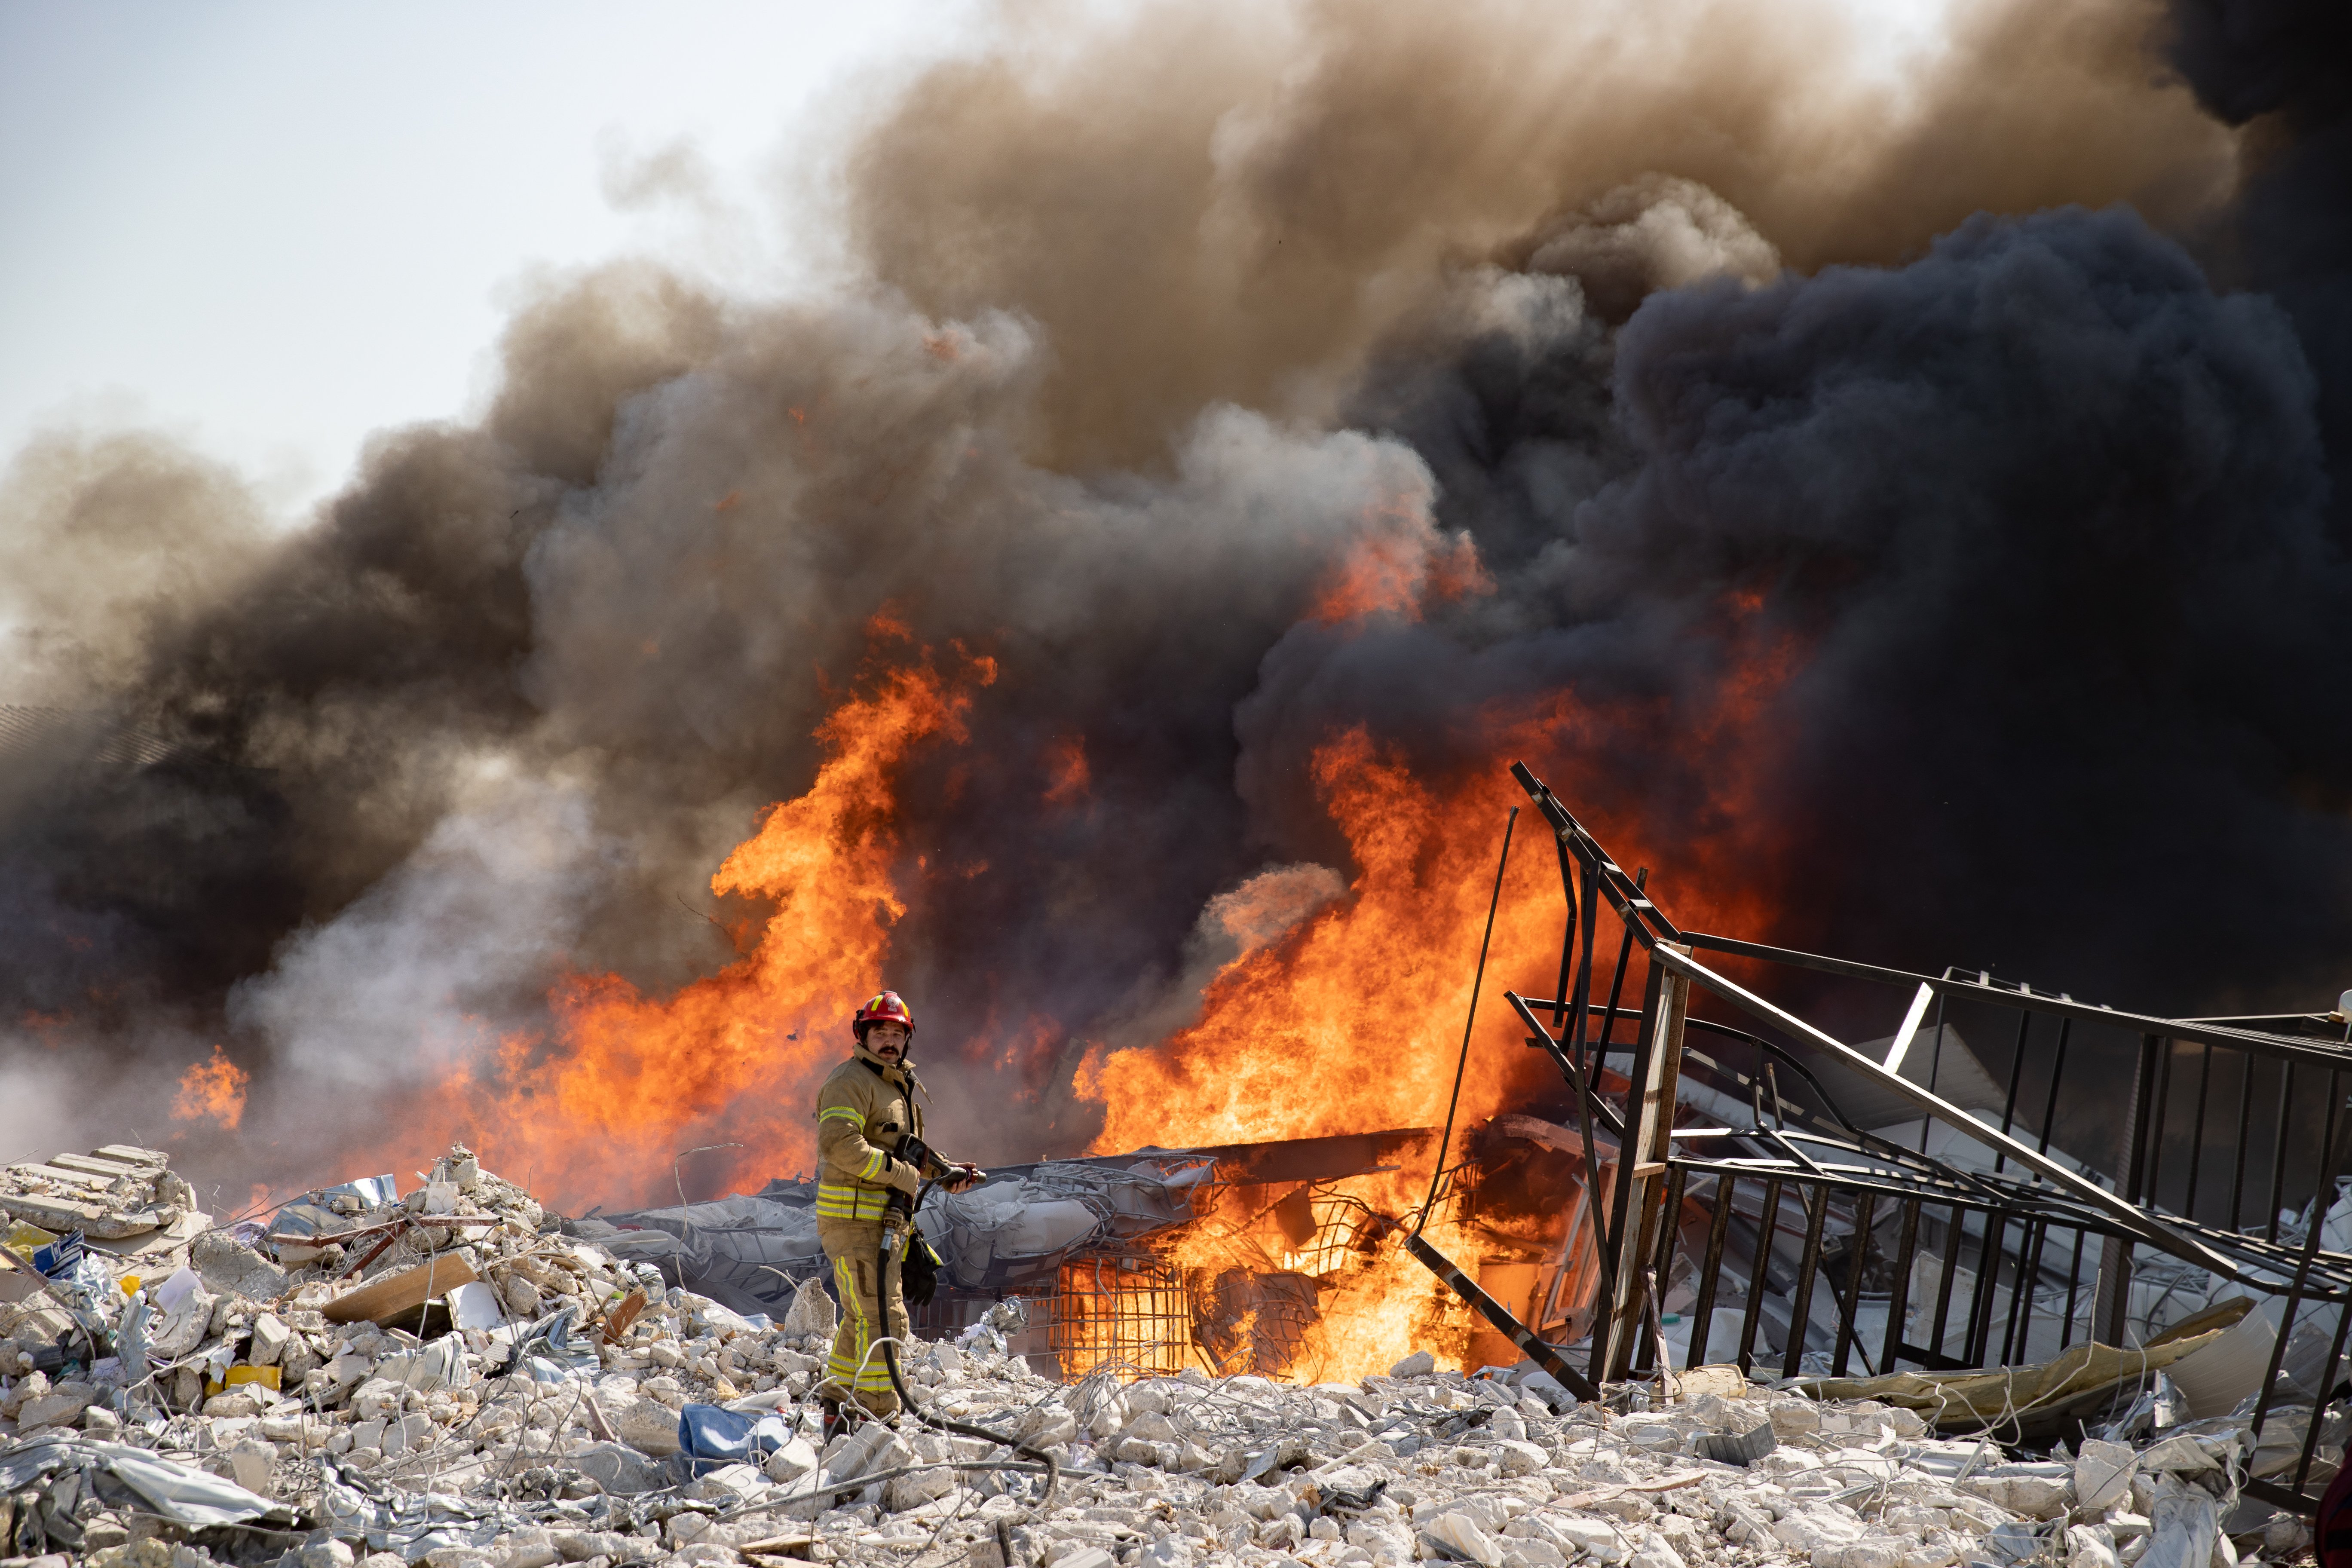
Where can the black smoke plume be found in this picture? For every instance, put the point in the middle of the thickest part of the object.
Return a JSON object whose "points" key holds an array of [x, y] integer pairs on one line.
{"points": [[2001, 414]]}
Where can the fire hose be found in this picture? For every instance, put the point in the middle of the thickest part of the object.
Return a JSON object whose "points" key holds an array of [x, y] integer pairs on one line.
{"points": [[900, 1206]]}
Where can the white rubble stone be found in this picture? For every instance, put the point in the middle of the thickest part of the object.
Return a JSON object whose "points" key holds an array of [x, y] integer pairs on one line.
{"points": [[1387, 1541], [270, 1337], [648, 1426], [377, 1397], [1419, 1364], [1460, 1535], [811, 1312], [1151, 1426], [1793, 1417], [792, 1461], [1283, 1532], [1533, 1552], [1108, 1415], [251, 1465], [1597, 1539], [2087, 1545], [2016, 1489], [1520, 1458], [531, 1547], [2103, 1473], [62, 1408], [32, 1386], [1047, 1425]]}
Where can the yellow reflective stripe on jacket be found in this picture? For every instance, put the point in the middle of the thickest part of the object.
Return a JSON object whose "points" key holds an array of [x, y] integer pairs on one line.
{"points": [[876, 1163], [842, 1113], [838, 1200]]}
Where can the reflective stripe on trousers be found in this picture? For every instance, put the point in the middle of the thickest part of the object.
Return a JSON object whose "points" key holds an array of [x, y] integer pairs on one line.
{"points": [[850, 1248]]}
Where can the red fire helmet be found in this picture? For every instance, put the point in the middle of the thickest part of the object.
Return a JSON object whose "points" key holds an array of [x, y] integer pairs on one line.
{"points": [[885, 1008]]}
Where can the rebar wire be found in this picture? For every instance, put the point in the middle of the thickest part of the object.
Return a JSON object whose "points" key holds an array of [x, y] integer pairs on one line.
{"points": [[1477, 983], [887, 1345], [685, 1219]]}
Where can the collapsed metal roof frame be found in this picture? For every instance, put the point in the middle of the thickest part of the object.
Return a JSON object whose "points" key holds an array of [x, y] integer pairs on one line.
{"points": [[1833, 1157]]}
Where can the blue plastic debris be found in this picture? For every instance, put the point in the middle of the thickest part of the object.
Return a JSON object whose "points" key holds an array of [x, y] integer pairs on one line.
{"points": [[712, 1436], [59, 1255]]}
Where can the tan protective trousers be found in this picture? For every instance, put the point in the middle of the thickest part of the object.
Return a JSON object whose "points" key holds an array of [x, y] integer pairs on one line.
{"points": [[854, 1372]]}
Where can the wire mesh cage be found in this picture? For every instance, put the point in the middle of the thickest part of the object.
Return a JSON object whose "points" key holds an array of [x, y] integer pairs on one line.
{"points": [[1127, 1315], [1347, 1233]]}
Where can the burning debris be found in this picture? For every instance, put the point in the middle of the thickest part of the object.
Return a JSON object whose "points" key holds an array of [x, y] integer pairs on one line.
{"points": [[1219, 1258], [1698, 1311], [453, 1376]]}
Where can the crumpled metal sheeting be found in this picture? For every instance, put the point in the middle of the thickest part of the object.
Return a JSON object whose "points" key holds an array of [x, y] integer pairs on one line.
{"points": [[181, 1493], [1018, 1230], [752, 1248], [411, 1523]]}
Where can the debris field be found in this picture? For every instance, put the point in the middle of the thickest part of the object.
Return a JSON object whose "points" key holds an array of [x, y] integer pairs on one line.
{"points": [[449, 1377]]}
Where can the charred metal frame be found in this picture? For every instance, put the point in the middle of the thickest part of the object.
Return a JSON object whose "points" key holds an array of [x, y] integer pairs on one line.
{"points": [[2034, 1220]]}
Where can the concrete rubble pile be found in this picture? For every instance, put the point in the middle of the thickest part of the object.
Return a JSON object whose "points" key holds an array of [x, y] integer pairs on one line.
{"points": [[451, 1377]]}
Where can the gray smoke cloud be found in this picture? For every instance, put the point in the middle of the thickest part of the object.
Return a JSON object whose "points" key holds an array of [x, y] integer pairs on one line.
{"points": [[1157, 329]]}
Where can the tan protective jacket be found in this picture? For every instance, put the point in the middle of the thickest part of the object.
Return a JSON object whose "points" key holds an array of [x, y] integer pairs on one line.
{"points": [[863, 1112]]}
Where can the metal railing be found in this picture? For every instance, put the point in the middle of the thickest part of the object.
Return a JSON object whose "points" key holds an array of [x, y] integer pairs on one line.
{"points": [[2135, 1170]]}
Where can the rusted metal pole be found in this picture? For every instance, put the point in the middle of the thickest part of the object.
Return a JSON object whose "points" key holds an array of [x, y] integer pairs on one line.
{"points": [[1641, 1183]]}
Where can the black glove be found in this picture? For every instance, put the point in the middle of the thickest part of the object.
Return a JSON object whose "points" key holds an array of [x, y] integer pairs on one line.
{"points": [[919, 1272]]}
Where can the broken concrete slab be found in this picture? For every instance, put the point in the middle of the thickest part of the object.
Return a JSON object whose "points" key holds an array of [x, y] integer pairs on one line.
{"points": [[230, 1268], [63, 1214]]}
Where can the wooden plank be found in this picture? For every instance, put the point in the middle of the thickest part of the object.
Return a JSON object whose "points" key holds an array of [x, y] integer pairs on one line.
{"points": [[617, 1325], [386, 1299]]}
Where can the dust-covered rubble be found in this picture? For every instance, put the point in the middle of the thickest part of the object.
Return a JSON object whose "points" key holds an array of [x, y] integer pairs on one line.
{"points": [[449, 1377]]}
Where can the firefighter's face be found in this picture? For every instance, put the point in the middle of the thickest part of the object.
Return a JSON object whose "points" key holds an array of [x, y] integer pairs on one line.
{"points": [[888, 1041]]}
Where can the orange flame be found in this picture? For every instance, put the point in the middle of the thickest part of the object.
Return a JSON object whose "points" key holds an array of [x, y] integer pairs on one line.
{"points": [[1351, 1021], [733, 1059], [212, 1092], [1342, 1027], [1400, 564]]}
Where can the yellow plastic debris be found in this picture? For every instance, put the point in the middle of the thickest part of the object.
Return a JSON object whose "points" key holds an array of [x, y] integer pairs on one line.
{"points": [[240, 1374], [23, 1236]]}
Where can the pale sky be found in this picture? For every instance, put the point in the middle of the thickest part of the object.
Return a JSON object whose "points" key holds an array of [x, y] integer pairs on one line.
{"points": [[271, 228]]}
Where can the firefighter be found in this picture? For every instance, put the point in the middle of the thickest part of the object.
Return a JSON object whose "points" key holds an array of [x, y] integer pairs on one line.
{"points": [[869, 1144]]}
